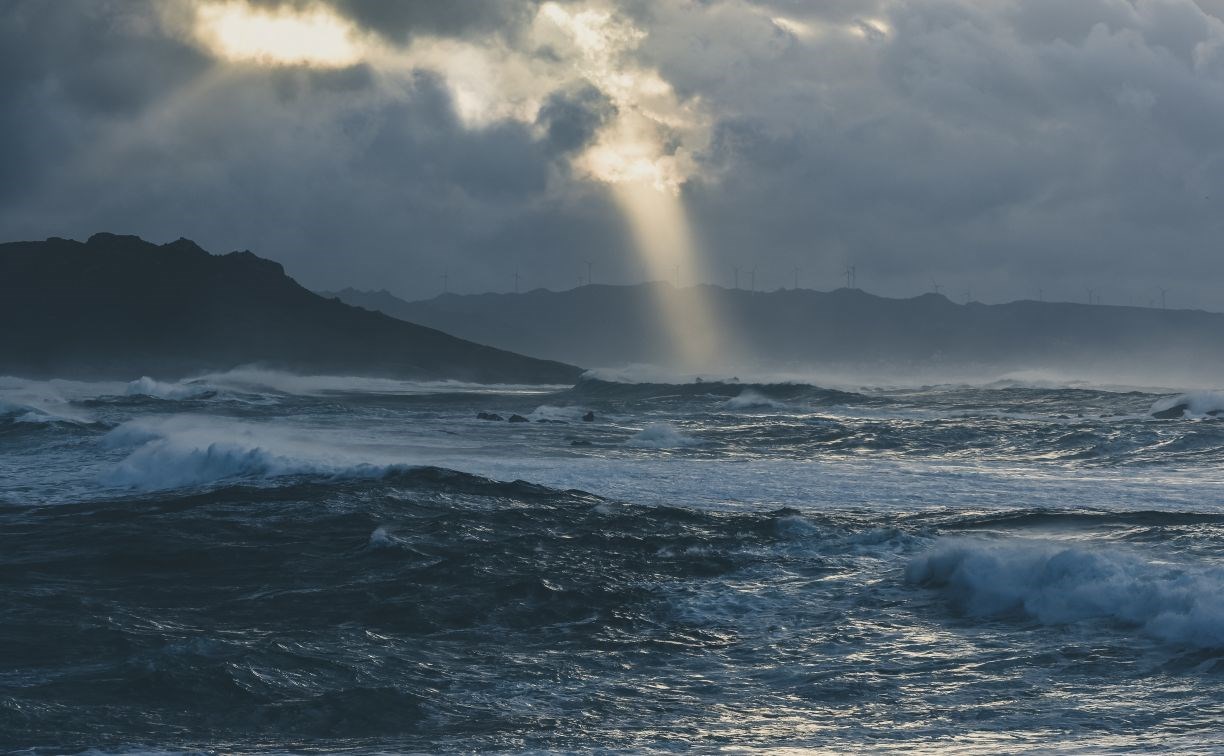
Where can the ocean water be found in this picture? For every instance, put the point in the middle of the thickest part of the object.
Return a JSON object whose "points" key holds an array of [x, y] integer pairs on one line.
{"points": [[258, 562]]}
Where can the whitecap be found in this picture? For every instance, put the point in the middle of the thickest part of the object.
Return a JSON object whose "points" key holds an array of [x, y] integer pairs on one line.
{"points": [[661, 436], [1055, 584]]}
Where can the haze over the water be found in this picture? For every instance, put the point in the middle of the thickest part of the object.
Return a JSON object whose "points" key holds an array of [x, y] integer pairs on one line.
{"points": [[991, 150]]}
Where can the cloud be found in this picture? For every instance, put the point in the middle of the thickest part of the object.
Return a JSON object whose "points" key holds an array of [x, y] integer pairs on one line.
{"points": [[999, 147], [571, 120]]}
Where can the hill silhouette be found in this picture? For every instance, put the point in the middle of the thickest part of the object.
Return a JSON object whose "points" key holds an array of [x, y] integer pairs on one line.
{"points": [[118, 306], [847, 329]]}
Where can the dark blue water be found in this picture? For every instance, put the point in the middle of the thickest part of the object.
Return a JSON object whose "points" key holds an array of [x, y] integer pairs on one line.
{"points": [[257, 563]]}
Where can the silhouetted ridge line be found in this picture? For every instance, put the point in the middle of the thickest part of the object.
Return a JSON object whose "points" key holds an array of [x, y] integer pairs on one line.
{"points": [[118, 306], [849, 328]]}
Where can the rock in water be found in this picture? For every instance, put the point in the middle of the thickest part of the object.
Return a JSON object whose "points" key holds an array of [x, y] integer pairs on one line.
{"points": [[489, 416], [518, 419], [589, 417]]}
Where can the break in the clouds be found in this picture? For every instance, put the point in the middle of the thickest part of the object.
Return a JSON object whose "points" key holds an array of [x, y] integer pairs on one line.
{"points": [[995, 149]]}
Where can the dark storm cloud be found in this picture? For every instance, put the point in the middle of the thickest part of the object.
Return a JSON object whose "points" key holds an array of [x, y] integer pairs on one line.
{"points": [[67, 67], [401, 20], [107, 57], [571, 119], [998, 147], [994, 156]]}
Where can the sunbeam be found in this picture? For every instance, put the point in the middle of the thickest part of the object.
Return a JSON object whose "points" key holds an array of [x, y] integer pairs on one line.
{"points": [[664, 243]]}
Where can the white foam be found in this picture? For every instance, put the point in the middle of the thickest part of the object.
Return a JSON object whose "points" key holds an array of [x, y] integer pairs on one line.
{"points": [[564, 414], [381, 539], [38, 402], [753, 400], [146, 386], [189, 450], [1198, 403], [262, 380], [1055, 584], [661, 436], [898, 378]]}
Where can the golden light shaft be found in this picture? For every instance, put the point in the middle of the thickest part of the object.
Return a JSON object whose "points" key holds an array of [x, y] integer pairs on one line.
{"points": [[663, 240]]}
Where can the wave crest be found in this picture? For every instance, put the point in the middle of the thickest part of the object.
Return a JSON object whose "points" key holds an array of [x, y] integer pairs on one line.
{"points": [[187, 451], [1056, 584], [146, 386], [1193, 404], [661, 436]]}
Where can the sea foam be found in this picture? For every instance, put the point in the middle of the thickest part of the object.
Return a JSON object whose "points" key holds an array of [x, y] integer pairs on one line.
{"points": [[146, 386], [188, 450], [40, 402], [661, 436], [1195, 403], [753, 400], [1056, 584]]}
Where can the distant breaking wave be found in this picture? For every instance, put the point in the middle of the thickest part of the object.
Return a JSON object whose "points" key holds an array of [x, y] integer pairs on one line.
{"points": [[661, 436], [146, 386], [1192, 404], [1055, 584], [759, 394], [190, 450]]}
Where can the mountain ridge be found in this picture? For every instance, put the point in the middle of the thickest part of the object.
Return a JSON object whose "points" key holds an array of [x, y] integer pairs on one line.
{"points": [[119, 306], [607, 325]]}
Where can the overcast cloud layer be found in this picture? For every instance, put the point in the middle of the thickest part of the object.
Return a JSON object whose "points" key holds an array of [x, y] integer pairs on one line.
{"points": [[994, 147]]}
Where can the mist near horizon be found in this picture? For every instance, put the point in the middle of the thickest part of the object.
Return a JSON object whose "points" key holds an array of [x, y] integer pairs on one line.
{"points": [[843, 338]]}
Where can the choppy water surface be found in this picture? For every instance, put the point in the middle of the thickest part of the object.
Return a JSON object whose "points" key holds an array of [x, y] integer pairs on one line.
{"points": [[261, 562]]}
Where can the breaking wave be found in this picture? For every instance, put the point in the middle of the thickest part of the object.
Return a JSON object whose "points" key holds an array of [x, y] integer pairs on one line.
{"points": [[596, 389], [1057, 584], [146, 386], [1193, 404], [39, 402], [748, 399], [188, 451], [661, 436]]}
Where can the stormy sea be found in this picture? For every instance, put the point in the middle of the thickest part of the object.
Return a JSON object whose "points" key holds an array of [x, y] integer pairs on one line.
{"points": [[260, 562]]}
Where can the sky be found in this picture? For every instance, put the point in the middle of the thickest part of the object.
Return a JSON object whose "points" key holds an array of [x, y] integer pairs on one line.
{"points": [[995, 149]]}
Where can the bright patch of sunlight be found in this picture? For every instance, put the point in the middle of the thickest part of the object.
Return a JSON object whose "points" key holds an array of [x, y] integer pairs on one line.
{"points": [[285, 36]]}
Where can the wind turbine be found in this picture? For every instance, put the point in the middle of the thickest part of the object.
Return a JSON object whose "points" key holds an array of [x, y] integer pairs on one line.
{"points": [[752, 278], [796, 271], [851, 276], [1162, 298], [590, 279], [936, 287], [516, 281], [736, 269], [445, 280]]}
